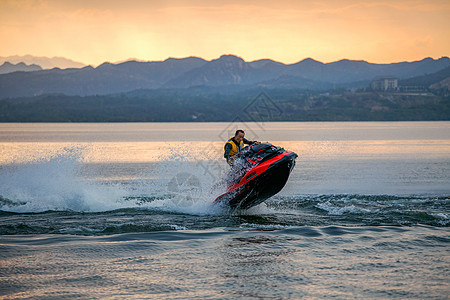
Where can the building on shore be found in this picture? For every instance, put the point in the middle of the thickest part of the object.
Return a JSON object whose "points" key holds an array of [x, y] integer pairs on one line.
{"points": [[385, 84]]}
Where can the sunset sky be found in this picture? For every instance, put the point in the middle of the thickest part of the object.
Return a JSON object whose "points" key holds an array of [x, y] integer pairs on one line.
{"points": [[92, 32]]}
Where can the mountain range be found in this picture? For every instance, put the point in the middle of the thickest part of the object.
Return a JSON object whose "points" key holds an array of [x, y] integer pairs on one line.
{"points": [[8, 67], [226, 71], [43, 62]]}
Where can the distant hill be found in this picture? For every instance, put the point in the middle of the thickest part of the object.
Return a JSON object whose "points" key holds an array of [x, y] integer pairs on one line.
{"points": [[427, 80], [8, 67], [44, 62], [442, 86], [228, 70]]}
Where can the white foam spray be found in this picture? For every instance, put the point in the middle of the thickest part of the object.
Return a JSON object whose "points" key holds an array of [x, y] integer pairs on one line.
{"points": [[54, 183], [178, 183]]}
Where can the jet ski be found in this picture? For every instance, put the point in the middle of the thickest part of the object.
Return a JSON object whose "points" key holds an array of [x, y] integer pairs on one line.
{"points": [[260, 171]]}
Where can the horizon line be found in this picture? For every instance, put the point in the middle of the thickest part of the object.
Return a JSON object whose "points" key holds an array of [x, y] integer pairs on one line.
{"points": [[209, 60]]}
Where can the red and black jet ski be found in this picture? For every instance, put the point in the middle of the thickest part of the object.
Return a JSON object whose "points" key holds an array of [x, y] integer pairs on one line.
{"points": [[260, 171]]}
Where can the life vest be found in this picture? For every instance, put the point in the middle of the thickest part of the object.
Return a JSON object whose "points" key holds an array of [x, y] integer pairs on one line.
{"points": [[234, 148]]}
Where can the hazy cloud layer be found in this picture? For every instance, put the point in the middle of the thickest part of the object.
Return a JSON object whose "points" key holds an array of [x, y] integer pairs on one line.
{"points": [[95, 31]]}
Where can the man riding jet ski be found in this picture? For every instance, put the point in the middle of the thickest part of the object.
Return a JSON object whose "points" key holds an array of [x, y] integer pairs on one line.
{"points": [[234, 145], [259, 171]]}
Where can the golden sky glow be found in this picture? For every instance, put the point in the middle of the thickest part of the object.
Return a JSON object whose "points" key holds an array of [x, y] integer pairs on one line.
{"points": [[93, 31]]}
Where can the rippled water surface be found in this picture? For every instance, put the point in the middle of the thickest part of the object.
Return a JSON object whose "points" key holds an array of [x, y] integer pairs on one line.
{"points": [[125, 210]]}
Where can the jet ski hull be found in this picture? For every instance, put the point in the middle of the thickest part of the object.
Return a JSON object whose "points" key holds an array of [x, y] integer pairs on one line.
{"points": [[261, 181]]}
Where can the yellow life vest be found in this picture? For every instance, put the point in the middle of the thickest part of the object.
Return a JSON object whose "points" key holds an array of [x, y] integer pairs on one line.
{"points": [[234, 149]]}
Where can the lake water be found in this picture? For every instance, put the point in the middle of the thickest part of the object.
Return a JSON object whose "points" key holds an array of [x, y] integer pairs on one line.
{"points": [[125, 210]]}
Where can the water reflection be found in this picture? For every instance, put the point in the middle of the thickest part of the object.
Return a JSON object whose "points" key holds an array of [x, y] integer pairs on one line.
{"points": [[97, 152]]}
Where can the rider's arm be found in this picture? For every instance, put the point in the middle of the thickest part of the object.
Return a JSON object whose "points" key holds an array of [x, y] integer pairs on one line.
{"points": [[248, 142]]}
